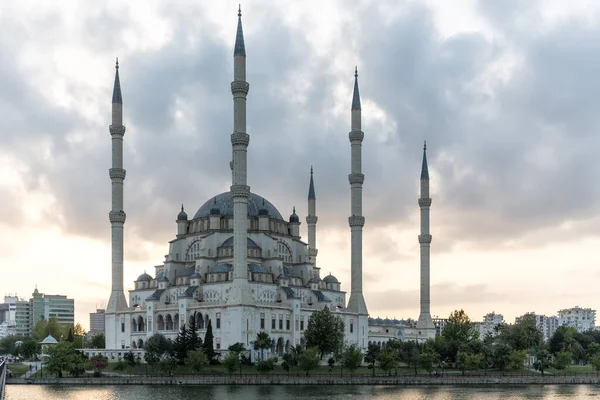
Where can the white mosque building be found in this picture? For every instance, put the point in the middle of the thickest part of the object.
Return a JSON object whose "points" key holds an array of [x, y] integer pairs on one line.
{"points": [[239, 263]]}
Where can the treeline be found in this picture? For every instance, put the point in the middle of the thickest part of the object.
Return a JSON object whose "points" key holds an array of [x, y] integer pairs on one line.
{"points": [[30, 347]]}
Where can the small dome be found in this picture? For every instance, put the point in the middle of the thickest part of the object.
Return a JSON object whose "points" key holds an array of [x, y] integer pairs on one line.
{"points": [[163, 279], [330, 279], [314, 279], [182, 216], [195, 275], [160, 275], [294, 217], [49, 340], [144, 278]]}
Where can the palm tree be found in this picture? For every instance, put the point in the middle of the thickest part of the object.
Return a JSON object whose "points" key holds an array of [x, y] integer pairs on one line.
{"points": [[263, 341]]}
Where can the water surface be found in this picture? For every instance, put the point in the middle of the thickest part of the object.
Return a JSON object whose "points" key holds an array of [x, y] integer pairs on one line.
{"points": [[549, 392]]}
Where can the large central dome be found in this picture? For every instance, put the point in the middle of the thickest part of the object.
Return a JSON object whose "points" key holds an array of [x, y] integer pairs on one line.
{"points": [[224, 203]]}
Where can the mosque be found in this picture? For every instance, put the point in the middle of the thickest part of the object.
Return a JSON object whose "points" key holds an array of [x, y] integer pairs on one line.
{"points": [[240, 264]]}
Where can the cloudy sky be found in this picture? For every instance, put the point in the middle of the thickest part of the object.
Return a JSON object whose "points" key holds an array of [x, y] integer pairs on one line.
{"points": [[505, 93]]}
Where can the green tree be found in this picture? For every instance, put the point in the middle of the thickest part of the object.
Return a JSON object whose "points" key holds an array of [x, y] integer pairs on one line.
{"points": [[158, 346], [232, 362], [59, 358], [352, 358], [181, 345], [387, 360], [98, 341], [208, 346], [562, 339], [459, 331], [197, 360], [70, 336], [410, 355], [501, 356], [265, 365], [288, 359], [28, 349], [129, 357], [523, 335], [373, 352], [7, 345], [78, 335], [562, 359], [517, 359], [309, 359], [595, 361], [325, 331], [262, 342], [427, 360], [51, 327], [193, 340], [542, 361], [78, 363]]}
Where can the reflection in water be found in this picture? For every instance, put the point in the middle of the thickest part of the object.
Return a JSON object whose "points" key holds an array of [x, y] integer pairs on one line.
{"points": [[316, 392]]}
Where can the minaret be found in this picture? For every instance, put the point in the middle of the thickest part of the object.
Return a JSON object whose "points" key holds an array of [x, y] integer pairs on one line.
{"points": [[425, 321], [239, 188], [311, 221], [356, 220], [116, 216]]}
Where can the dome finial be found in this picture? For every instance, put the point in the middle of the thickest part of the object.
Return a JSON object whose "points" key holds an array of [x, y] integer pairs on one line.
{"points": [[425, 145], [181, 206], [294, 209], [239, 10], [263, 201], [356, 71], [117, 63]]}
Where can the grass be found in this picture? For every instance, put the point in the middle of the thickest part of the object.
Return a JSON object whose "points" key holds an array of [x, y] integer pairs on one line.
{"points": [[18, 369]]}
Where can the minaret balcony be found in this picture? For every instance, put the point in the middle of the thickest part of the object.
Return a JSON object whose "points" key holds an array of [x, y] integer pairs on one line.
{"points": [[240, 138], [117, 216], [240, 87], [425, 202], [117, 173], [356, 220], [312, 219], [425, 238], [240, 191], [356, 136], [356, 178], [117, 130]]}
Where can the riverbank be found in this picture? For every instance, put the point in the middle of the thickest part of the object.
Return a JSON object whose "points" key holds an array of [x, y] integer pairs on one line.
{"points": [[316, 380]]}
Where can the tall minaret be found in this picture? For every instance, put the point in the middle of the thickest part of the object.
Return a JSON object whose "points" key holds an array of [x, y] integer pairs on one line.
{"points": [[425, 321], [356, 221], [117, 300], [239, 188], [311, 221]]}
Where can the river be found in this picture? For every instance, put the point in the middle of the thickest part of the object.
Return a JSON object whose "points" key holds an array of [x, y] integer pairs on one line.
{"points": [[549, 392]]}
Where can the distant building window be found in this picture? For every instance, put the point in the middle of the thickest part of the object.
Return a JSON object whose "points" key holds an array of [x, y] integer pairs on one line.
{"points": [[287, 324], [122, 326], [262, 321], [218, 320], [280, 322], [352, 326], [302, 324], [273, 321]]}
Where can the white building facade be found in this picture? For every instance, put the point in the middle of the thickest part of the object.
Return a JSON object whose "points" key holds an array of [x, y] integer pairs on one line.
{"points": [[582, 319]]}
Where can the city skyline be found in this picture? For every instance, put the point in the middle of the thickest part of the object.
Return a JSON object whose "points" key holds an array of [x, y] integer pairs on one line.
{"points": [[509, 153]]}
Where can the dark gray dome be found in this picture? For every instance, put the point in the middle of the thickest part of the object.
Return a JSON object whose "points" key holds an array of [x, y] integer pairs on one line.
{"points": [[249, 243], [144, 278], [294, 216], [330, 279], [182, 216], [224, 203]]}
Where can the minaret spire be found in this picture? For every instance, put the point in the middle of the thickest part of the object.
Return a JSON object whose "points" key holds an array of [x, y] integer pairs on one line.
{"points": [[239, 293], [117, 301], [311, 221], [425, 323], [356, 221]]}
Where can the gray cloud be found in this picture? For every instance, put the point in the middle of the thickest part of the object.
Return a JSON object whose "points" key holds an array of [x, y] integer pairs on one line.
{"points": [[508, 161]]}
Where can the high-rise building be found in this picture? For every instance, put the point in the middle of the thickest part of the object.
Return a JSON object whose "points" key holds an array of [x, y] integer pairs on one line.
{"points": [[490, 323], [22, 315], [546, 325], [582, 319], [97, 321]]}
